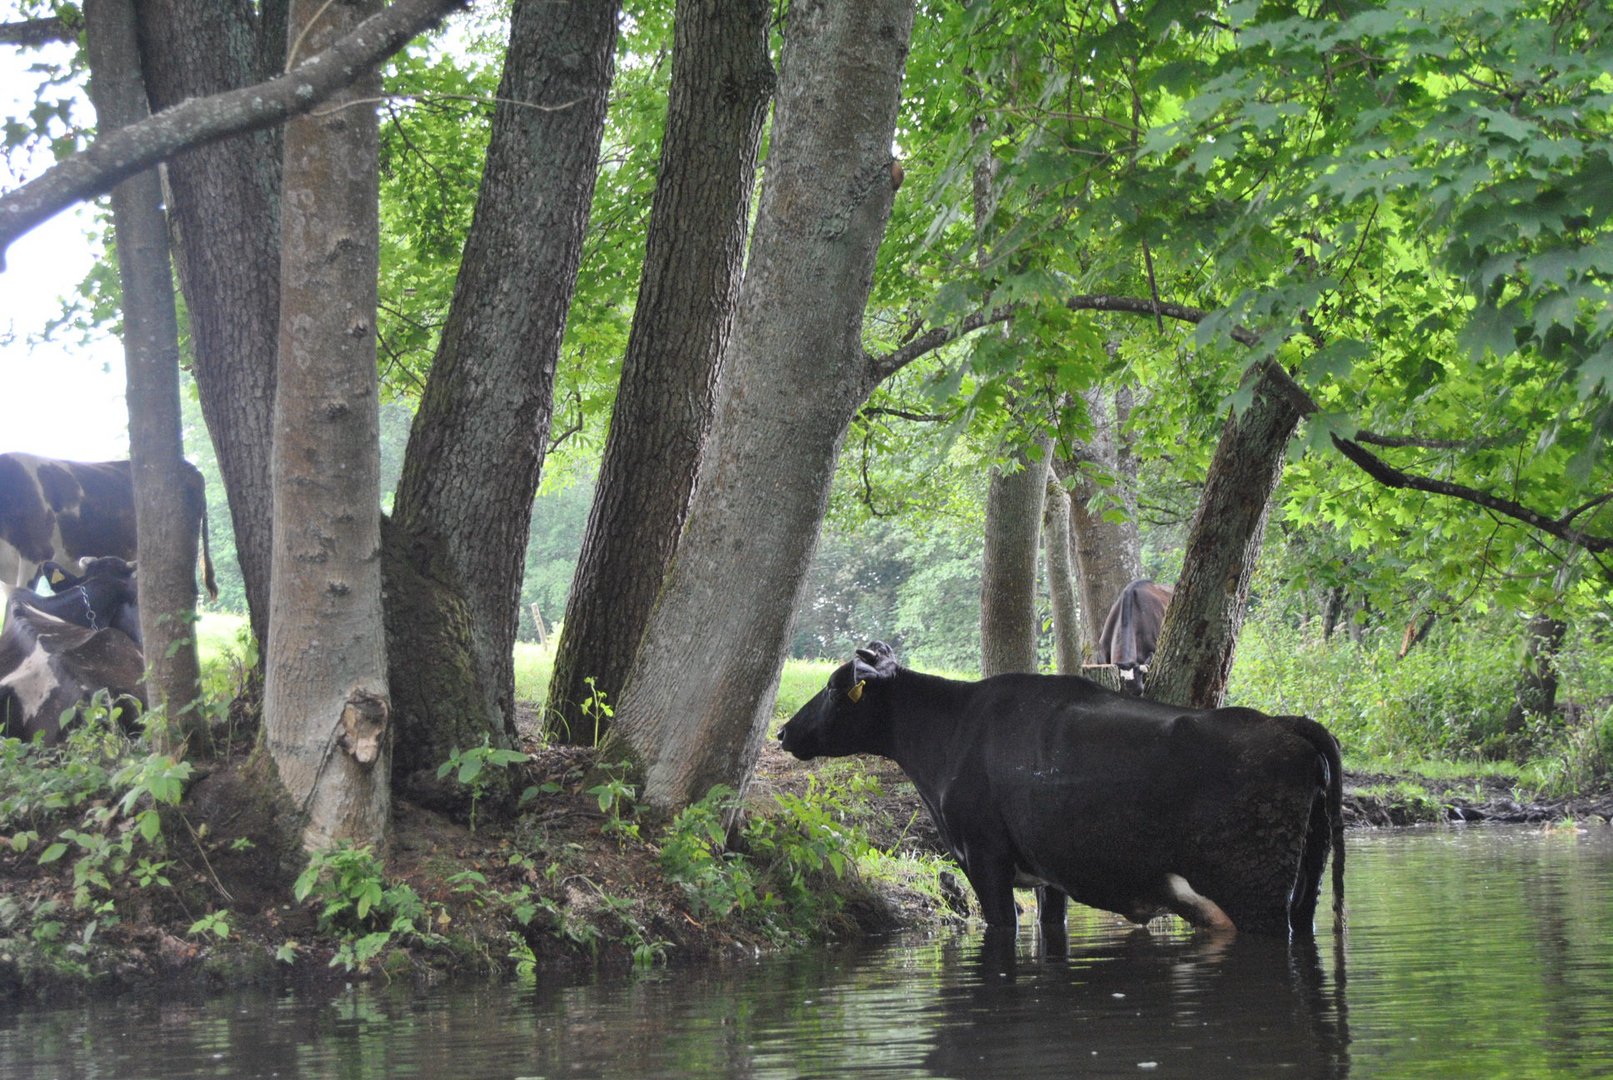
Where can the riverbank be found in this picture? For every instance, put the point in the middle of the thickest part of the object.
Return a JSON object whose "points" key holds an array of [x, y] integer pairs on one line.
{"points": [[577, 876]]}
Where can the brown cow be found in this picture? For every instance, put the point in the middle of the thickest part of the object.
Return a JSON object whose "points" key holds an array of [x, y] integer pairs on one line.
{"points": [[1131, 631], [69, 510]]}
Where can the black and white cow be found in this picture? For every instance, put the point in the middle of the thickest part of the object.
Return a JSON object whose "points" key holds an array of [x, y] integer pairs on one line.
{"points": [[1222, 816], [57, 651], [1131, 631], [70, 510]]}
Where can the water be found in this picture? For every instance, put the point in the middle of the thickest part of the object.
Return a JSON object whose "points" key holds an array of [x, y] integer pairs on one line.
{"points": [[1471, 953]]}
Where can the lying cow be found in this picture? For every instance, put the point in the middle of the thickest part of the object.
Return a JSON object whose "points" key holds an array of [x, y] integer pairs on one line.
{"points": [[69, 510], [1222, 816], [56, 651], [1131, 630]]}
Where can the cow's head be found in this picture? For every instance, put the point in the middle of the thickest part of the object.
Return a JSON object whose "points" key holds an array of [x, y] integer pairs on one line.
{"points": [[103, 593], [849, 715]]}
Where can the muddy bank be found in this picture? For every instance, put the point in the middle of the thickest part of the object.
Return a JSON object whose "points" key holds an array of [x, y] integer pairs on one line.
{"points": [[576, 877]]}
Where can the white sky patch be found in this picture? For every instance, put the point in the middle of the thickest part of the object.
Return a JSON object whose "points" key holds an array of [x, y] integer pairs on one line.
{"points": [[61, 398]]}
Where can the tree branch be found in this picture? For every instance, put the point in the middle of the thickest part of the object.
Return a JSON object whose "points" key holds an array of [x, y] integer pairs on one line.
{"points": [[1389, 476], [886, 365], [1374, 439], [203, 120], [32, 33]]}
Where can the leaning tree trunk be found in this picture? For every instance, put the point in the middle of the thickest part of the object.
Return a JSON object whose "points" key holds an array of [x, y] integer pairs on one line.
{"points": [[1108, 554], [722, 80], [326, 713], [1008, 623], [700, 692], [463, 510], [1061, 587], [224, 214], [1201, 626], [165, 533]]}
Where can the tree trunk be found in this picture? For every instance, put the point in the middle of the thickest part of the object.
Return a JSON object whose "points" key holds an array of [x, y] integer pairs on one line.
{"points": [[326, 714], [1196, 642], [224, 215], [1061, 587], [1008, 624], [165, 532], [464, 504], [1535, 694], [700, 692], [722, 80], [1108, 554]]}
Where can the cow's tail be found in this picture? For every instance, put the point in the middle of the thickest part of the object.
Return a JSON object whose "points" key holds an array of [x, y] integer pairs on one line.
{"points": [[208, 579], [1318, 843]]}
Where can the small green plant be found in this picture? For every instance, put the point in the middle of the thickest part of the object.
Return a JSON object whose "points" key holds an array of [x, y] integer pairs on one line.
{"points": [[357, 903], [617, 799], [596, 708], [471, 770], [216, 923]]}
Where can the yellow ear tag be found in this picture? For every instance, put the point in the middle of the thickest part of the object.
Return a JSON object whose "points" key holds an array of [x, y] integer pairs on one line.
{"points": [[57, 577], [856, 692]]}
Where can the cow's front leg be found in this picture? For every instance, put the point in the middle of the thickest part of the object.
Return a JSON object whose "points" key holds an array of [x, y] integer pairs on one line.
{"points": [[992, 878], [1050, 907]]}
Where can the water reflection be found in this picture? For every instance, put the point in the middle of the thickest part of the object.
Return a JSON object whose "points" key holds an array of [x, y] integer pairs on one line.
{"points": [[1135, 1001], [1470, 954]]}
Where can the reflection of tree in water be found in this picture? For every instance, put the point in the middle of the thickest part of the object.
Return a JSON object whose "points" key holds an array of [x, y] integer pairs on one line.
{"points": [[1245, 1007]]}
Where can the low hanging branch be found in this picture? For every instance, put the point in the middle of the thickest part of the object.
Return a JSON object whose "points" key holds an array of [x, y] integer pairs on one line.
{"points": [[198, 121], [1389, 476]]}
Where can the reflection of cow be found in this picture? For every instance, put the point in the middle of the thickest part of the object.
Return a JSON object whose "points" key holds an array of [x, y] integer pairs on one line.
{"points": [[1131, 631], [56, 651], [1222, 816], [69, 510]]}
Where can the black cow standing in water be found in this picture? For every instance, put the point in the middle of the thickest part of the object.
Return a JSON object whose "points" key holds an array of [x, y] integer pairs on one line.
{"points": [[1222, 816], [56, 651], [1131, 631]]}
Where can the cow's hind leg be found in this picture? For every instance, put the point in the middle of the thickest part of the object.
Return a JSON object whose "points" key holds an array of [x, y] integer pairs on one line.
{"points": [[1201, 911]]}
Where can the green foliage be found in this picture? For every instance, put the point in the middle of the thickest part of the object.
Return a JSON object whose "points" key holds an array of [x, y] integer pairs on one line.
{"points": [[775, 874], [618, 801], [470, 769], [1445, 701], [357, 903]]}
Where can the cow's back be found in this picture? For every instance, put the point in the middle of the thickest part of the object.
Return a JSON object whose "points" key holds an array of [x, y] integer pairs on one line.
{"points": [[62, 510], [1097, 792]]}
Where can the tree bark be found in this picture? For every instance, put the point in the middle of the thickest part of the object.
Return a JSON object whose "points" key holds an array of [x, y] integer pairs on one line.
{"points": [[224, 222], [165, 533], [700, 692], [463, 508], [326, 713], [1535, 694], [1008, 625], [722, 80], [1108, 554], [1200, 633], [1061, 586]]}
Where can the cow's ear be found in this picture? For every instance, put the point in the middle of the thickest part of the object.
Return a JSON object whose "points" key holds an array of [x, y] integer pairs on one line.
{"points": [[877, 659]]}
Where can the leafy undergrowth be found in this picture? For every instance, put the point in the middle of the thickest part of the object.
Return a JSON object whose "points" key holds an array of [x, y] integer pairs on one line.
{"points": [[120, 867]]}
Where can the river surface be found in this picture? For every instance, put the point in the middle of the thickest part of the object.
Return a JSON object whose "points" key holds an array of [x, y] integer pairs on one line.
{"points": [[1472, 953]]}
